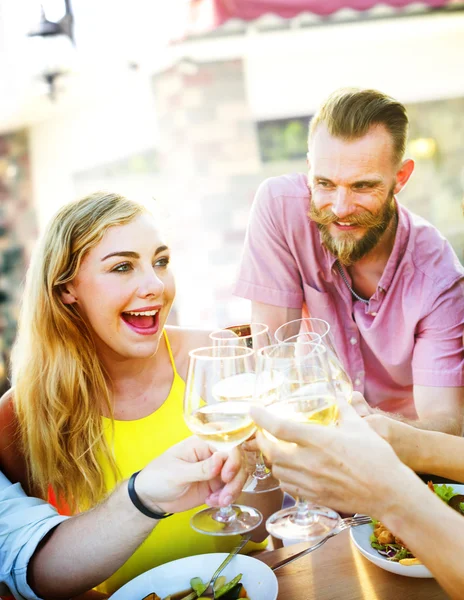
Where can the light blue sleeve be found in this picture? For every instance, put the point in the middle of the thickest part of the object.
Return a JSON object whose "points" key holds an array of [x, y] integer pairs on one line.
{"points": [[24, 521]]}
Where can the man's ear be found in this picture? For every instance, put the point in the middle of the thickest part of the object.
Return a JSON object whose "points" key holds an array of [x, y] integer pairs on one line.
{"points": [[68, 294], [404, 173], [307, 161]]}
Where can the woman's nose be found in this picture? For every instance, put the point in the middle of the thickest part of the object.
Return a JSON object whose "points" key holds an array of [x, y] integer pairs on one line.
{"points": [[151, 285]]}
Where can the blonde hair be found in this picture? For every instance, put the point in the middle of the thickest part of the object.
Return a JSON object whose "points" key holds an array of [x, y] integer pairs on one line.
{"points": [[60, 385], [349, 113]]}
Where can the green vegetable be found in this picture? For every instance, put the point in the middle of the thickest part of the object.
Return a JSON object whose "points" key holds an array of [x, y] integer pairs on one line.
{"points": [[461, 506], [219, 583], [445, 492], [377, 546], [197, 585], [228, 586], [403, 553], [373, 538]]}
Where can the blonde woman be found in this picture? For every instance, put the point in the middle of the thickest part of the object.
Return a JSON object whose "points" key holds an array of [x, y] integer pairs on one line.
{"points": [[98, 378]]}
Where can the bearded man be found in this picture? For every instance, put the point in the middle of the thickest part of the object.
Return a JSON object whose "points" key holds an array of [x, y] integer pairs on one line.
{"points": [[337, 244]]}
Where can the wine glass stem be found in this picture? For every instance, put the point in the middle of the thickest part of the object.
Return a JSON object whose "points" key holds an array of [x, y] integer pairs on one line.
{"points": [[261, 470], [303, 515], [226, 514]]}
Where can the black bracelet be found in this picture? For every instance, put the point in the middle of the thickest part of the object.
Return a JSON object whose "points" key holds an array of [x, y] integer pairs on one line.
{"points": [[138, 504]]}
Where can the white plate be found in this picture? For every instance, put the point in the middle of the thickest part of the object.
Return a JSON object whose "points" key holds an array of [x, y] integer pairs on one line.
{"points": [[258, 579], [361, 539]]}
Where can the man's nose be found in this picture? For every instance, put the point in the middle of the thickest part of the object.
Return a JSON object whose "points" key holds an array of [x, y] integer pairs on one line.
{"points": [[342, 206]]}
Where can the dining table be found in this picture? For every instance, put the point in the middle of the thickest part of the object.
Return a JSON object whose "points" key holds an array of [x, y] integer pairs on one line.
{"points": [[337, 571]]}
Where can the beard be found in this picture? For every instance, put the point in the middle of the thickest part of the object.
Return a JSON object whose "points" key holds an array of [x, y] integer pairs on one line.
{"points": [[346, 247]]}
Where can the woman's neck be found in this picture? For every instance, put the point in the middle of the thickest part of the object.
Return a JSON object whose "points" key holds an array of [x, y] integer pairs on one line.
{"points": [[138, 386]]}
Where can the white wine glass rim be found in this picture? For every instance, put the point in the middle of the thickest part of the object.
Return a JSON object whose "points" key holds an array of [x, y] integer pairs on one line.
{"points": [[267, 351], [321, 335], [214, 353], [216, 334]]}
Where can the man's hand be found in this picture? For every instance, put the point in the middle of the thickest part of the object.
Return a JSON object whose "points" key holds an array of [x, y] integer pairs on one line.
{"points": [[349, 467], [360, 405], [190, 474]]}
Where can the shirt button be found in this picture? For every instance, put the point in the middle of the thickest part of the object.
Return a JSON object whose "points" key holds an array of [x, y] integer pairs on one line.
{"points": [[353, 341], [374, 314], [357, 382], [381, 289]]}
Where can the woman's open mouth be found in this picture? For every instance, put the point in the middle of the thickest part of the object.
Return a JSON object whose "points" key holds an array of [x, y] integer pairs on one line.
{"points": [[143, 322]]}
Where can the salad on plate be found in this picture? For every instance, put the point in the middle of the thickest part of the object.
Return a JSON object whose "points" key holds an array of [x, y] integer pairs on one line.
{"points": [[392, 547]]}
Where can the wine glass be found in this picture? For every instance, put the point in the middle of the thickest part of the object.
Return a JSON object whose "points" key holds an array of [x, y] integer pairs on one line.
{"points": [[304, 392], [253, 336], [218, 391], [288, 332]]}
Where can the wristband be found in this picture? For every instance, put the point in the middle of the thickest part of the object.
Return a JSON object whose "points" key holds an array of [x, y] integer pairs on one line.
{"points": [[138, 504]]}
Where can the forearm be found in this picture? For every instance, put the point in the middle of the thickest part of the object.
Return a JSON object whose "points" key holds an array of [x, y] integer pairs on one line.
{"points": [[441, 423], [431, 530], [439, 454], [86, 549], [273, 316]]}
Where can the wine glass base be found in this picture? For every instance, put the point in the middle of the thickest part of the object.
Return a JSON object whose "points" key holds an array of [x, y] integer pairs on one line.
{"points": [[260, 485], [319, 524], [243, 520]]}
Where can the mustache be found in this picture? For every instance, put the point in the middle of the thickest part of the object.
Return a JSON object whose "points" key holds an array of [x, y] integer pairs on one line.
{"points": [[326, 217]]}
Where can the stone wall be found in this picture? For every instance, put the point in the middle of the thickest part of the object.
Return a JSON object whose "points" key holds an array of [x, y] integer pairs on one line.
{"points": [[17, 234], [209, 160], [436, 189]]}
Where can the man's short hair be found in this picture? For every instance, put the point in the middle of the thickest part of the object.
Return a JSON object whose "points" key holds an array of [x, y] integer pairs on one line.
{"points": [[349, 113]]}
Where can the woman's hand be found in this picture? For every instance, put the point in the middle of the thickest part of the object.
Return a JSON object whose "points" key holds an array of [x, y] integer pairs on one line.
{"points": [[190, 474], [349, 468]]}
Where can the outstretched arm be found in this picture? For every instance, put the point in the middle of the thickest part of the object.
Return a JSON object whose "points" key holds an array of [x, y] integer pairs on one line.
{"points": [[438, 409], [351, 469], [423, 451], [85, 550]]}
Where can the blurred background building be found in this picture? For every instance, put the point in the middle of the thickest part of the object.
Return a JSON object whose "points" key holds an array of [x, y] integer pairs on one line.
{"points": [[194, 103]]}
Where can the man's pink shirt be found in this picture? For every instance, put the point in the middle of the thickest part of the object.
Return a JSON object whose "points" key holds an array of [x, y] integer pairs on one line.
{"points": [[410, 333]]}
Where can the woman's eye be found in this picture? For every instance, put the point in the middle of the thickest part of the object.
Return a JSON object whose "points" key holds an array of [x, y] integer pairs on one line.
{"points": [[122, 268], [162, 262]]}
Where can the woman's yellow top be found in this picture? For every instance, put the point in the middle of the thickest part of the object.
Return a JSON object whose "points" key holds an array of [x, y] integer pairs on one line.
{"points": [[136, 443]]}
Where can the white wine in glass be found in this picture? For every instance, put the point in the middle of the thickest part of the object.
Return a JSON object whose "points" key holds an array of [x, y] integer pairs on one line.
{"points": [[307, 395], [226, 422], [254, 336], [218, 393], [293, 330]]}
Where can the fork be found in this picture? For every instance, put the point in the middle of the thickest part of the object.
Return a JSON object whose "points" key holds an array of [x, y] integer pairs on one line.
{"points": [[209, 587], [343, 524]]}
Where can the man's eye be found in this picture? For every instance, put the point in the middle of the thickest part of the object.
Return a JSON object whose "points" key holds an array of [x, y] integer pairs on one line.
{"points": [[122, 268], [323, 184]]}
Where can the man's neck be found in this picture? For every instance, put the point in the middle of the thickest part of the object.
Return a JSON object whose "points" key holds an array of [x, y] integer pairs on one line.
{"points": [[366, 272]]}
